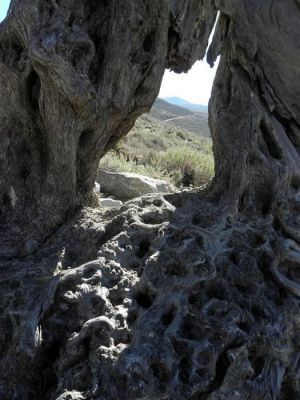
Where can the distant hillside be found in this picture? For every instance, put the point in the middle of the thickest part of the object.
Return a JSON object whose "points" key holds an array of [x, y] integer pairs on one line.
{"points": [[164, 110], [170, 142], [178, 101], [180, 117]]}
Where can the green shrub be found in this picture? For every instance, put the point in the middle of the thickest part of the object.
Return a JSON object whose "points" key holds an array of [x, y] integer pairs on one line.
{"points": [[186, 167], [181, 135]]}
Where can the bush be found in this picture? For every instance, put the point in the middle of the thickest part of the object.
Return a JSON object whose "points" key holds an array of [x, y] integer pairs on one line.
{"points": [[186, 166]]}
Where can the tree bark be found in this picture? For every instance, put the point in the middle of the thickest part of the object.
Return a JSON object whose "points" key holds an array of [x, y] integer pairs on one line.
{"points": [[189, 296], [254, 109], [74, 77]]}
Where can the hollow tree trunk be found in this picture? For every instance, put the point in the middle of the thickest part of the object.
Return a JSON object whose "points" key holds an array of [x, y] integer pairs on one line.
{"points": [[73, 83], [74, 77], [187, 297]]}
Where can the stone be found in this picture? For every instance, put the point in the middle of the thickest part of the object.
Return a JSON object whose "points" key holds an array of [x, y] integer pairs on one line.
{"points": [[97, 188], [126, 185], [110, 203], [74, 395]]}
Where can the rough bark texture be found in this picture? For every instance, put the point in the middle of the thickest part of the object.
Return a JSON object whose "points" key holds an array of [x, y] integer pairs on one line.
{"points": [[193, 296], [254, 110], [74, 77]]}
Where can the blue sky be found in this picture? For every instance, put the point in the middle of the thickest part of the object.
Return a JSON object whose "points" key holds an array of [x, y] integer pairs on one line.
{"points": [[4, 4], [195, 86]]}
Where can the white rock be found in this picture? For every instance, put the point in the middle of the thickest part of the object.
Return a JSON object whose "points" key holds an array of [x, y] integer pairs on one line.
{"points": [[110, 203], [126, 186], [97, 187], [71, 396]]}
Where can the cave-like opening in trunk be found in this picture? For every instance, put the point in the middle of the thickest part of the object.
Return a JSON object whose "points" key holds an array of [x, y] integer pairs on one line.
{"points": [[188, 295]]}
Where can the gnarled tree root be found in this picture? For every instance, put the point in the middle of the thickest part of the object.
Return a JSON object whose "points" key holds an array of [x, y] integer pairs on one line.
{"points": [[168, 309]]}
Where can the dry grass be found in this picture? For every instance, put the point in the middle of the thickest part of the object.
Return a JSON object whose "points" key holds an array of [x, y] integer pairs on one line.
{"points": [[163, 152], [186, 166]]}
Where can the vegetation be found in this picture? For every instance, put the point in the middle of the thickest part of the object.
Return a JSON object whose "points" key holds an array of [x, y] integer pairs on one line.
{"points": [[162, 151]]}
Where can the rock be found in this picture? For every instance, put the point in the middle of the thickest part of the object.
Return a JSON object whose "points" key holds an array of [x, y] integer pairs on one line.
{"points": [[110, 203], [97, 188], [126, 186], [74, 395]]}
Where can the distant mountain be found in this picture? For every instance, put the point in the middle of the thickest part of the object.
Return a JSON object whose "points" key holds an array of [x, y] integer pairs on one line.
{"points": [[178, 101], [180, 117], [163, 110]]}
